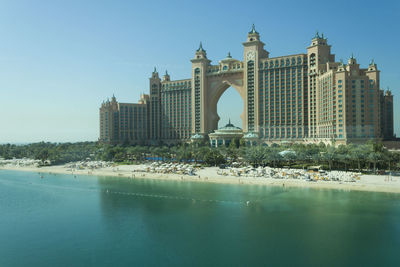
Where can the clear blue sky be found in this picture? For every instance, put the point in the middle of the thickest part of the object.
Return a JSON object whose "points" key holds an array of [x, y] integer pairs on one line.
{"points": [[60, 59]]}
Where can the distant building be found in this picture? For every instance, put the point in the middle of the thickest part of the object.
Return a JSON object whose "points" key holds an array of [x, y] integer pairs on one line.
{"points": [[386, 115], [124, 123], [306, 97]]}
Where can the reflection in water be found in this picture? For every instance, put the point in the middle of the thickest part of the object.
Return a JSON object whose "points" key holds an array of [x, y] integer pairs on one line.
{"points": [[313, 220], [107, 221]]}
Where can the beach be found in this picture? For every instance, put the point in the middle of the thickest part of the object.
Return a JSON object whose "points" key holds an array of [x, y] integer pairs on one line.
{"points": [[373, 183]]}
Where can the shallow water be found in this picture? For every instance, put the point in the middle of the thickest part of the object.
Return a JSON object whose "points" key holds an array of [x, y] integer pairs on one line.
{"points": [[59, 220]]}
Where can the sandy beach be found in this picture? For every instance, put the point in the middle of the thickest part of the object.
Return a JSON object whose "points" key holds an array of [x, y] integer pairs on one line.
{"points": [[373, 183]]}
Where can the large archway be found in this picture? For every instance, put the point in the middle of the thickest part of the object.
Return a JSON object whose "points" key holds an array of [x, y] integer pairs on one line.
{"points": [[230, 107], [209, 82], [215, 89]]}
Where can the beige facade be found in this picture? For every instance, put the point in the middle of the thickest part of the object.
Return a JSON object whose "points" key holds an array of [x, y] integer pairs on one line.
{"points": [[124, 122], [175, 110], [306, 97]]}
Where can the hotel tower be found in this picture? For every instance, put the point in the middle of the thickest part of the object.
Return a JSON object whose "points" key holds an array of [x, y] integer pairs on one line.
{"points": [[307, 97]]}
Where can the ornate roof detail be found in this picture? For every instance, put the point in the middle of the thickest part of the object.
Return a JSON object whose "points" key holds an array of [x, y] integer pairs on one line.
{"points": [[250, 135], [388, 92], [372, 62], [229, 127], [253, 30], [201, 48], [228, 58], [197, 136]]}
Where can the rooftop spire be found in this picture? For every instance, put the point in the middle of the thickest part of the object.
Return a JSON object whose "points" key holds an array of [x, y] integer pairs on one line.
{"points": [[229, 55], [372, 62], [253, 29], [166, 72], [201, 48], [388, 92]]}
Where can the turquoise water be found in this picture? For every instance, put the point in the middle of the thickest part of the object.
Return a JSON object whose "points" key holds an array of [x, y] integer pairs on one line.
{"points": [[59, 220]]}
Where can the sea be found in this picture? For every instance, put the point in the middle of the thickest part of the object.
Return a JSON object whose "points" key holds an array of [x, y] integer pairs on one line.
{"points": [[67, 220]]}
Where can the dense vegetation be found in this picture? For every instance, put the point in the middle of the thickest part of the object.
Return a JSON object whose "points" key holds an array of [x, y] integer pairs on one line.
{"points": [[57, 153], [369, 156]]}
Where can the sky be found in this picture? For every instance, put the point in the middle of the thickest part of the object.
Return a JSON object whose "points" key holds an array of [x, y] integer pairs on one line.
{"points": [[60, 59]]}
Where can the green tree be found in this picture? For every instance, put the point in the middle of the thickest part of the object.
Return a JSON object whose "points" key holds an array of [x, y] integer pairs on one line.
{"points": [[289, 156], [343, 155], [255, 155], [232, 152], [214, 157], [272, 155], [374, 158], [358, 154], [43, 154]]}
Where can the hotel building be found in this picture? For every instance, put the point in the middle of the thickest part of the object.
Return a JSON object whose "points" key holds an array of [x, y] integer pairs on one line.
{"points": [[306, 97]]}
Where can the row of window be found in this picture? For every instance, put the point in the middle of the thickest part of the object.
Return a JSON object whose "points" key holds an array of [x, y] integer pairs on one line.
{"points": [[283, 62]]}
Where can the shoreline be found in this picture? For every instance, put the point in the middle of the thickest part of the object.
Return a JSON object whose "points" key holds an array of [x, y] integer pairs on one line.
{"points": [[369, 183]]}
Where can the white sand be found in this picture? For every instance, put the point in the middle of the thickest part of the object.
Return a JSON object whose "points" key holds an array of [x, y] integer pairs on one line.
{"points": [[375, 183]]}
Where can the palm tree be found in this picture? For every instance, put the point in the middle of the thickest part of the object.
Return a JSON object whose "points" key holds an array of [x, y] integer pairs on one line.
{"points": [[375, 157], [232, 153], [344, 155], [272, 155], [358, 154], [301, 153], [330, 156], [391, 157], [290, 156], [214, 157]]}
